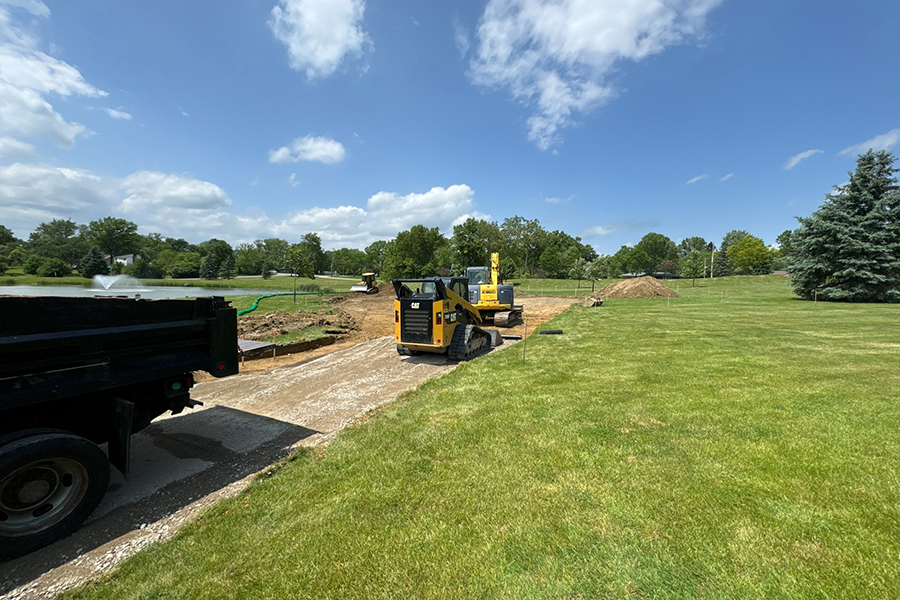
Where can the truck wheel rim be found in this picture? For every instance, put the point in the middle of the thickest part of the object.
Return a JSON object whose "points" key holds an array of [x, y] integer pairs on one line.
{"points": [[40, 494]]}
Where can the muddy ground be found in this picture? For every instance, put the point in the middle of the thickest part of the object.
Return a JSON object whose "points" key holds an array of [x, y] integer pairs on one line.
{"points": [[183, 463]]}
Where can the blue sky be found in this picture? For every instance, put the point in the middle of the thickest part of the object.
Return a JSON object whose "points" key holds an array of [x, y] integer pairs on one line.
{"points": [[358, 119]]}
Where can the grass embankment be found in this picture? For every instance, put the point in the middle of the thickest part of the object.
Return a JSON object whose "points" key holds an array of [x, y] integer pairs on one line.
{"points": [[739, 446]]}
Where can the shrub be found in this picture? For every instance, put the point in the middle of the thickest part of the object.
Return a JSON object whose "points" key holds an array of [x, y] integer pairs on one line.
{"points": [[54, 267]]}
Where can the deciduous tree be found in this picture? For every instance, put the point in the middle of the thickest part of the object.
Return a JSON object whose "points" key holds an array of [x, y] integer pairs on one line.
{"points": [[113, 236], [749, 256], [658, 248]]}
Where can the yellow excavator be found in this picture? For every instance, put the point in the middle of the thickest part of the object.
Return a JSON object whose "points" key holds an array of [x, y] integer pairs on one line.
{"points": [[432, 315], [494, 300], [367, 285]]}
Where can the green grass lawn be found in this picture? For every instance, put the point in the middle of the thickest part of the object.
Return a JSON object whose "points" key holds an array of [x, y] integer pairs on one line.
{"points": [[303, 302], [732, 443], [558, 287]]}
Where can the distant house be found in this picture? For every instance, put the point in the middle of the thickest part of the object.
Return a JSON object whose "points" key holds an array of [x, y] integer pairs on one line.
{"points": [[122, 259]]}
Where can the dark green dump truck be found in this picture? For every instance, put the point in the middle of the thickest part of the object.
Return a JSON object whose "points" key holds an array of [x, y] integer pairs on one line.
{"points": [[78, 376]]}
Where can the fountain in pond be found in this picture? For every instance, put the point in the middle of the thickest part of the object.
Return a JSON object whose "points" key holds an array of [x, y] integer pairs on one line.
{"points": [[117, 282]]}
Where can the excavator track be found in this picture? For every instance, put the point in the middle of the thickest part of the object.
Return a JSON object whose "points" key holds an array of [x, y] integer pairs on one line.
{"points": [[468, 342], [507, 318]]}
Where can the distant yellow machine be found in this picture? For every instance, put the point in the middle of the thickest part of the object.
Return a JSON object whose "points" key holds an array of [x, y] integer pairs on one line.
{"points": [[432, 315], [494, 300], [367, 285]]}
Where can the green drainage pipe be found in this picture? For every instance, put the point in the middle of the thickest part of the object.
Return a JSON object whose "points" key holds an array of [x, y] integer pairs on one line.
{"points": [[256, 302]]}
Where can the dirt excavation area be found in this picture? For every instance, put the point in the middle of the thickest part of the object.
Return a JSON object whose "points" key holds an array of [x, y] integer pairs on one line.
{"points": [[357, 318], [183, 463]]}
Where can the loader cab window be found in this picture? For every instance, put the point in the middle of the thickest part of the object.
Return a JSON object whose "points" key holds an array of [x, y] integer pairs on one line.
{"points": [[460, 288]]}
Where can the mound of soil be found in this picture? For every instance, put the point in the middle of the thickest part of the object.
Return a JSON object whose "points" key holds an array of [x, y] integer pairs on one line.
{"points": [[639, 287], [254, 327]]}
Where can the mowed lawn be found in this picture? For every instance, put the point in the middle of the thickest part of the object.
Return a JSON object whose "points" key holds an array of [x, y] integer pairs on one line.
{"points": [[739, 445]]}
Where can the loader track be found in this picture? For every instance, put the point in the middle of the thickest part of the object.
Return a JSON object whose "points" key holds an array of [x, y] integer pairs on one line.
{"points": [[468, 342]]}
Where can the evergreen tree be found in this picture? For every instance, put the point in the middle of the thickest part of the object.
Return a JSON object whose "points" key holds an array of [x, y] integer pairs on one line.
{"points": [[849, 249], [209, 269], [92, 264]]}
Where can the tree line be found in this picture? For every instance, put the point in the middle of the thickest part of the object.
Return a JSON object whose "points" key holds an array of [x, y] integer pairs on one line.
{"points": [[849, 249], [59, 247]]}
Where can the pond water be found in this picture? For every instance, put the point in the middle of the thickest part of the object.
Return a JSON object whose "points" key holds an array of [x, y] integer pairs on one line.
{"points": [[142, 291]]}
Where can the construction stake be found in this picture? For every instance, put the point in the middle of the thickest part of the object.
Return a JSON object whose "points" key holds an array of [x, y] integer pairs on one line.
{"points": [[524, 340]]}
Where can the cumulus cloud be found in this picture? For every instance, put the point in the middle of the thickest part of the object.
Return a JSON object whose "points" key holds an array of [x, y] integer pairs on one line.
{"points": [[182, 206], [178, 204], [318, 34], [798, 158], [317, 149], [696, 179], [29, 75], [555, 56], [33, 194], [885, 141], [118, 114]]}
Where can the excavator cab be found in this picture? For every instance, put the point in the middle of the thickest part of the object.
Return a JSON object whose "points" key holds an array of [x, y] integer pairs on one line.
{"points": [[493, 299]]}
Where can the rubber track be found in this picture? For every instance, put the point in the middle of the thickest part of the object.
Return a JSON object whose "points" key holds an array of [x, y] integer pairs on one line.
{"points": [[459, 345], [508, 318]]}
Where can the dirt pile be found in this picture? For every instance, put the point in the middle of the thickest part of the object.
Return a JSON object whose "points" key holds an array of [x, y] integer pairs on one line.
{"points": [[639, 287], [255, 327]]}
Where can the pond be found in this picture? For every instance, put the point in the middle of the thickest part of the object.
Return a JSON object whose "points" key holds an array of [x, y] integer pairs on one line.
{"points": [[138, 290]]}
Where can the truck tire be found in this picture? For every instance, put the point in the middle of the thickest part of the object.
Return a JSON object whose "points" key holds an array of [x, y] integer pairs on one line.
{"points": [[49, 484]]}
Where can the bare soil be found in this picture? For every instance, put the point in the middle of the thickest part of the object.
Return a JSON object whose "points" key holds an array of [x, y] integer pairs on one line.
{"points": [[182, 464], [639, 287]]}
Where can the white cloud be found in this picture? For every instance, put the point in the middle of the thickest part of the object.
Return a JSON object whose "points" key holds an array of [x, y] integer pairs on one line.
{"points": [[598, 230], [885, 141], [461, 37], [555, 56], [33, 194], [319, 33], [183, 206], [118, 114], [35, 7], [558, 200], [798, 158], [293, 180], [13, 149], [696, 179], [178, 205], [28, 75], [727, 177], [317, 149], [601, 230]]}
